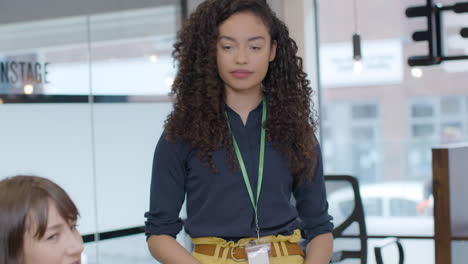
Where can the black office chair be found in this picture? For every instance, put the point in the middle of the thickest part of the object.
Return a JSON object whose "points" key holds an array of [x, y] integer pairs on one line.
{"points": [[348, 185]]}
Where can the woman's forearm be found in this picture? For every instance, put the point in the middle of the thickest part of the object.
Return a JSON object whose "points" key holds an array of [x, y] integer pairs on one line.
{"points": [[319, 249], [167, 250]]}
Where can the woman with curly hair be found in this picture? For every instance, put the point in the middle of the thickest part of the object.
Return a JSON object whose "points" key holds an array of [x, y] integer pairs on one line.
{"points": [[238, 144]]}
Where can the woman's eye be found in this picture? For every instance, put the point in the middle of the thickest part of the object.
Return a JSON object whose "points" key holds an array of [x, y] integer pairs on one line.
{"points": [[256, 48], [227, 47], [52, 237]]}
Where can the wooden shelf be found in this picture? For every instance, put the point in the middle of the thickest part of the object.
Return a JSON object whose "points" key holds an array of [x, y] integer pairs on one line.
{"points": [[449, 181]]}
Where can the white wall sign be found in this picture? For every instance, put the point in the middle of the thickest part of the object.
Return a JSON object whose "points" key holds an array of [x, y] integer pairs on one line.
{"points": [[382, 62]]}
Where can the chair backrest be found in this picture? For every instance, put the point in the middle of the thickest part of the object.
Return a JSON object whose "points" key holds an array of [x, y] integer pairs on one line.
{"points": [[355, 214]]}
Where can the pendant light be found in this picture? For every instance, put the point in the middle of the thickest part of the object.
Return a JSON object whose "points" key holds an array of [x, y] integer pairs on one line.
{"points": [[357, 57]]}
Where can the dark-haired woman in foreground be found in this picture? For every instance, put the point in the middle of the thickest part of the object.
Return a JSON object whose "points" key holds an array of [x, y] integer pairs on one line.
{"points": [[238, 143], [37, 223]]}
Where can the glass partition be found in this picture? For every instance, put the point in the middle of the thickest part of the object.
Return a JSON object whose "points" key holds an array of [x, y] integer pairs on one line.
{"points": [[83, 100], [44, 133], [380, 120]]}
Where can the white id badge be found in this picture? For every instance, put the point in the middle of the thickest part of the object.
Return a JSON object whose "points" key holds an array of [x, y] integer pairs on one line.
{"points": [[258, 253]]}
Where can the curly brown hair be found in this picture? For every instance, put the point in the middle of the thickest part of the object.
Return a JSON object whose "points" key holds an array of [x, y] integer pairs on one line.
{"points": [[197, 117]]}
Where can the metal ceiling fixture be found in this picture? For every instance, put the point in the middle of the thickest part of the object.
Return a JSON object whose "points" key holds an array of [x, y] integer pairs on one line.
{"points": [[434, 33]]}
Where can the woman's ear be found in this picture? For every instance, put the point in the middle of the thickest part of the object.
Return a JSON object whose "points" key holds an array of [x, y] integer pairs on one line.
{"points": [[274, 45]]}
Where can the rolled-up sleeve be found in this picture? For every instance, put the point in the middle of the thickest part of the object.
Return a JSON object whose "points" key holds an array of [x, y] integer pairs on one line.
{"points": [[167, 191], [312, 205]]}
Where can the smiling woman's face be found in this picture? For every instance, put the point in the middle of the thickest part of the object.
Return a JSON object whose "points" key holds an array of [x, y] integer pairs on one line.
{"points": [[61, 243], [244, 51]]}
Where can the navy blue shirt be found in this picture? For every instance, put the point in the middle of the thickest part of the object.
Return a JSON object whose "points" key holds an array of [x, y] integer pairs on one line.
{"points": [[219, 205]]}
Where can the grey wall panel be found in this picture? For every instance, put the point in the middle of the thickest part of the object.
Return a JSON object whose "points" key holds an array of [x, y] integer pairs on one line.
{"points": [[13, 11]]}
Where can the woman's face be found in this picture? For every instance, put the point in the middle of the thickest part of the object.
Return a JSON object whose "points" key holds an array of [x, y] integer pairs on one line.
{"points": [[61, 243], [244, 51]]}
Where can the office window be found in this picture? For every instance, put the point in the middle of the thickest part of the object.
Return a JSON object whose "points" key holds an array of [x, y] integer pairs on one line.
{"points": [[451, 132], [350, 135], [450, 105], [363, 133], [422, 110], [422, 130], [364, 111], [384, 119], [447, 124]]}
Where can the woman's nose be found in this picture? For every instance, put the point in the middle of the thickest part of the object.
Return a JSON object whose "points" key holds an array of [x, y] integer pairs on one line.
{"points": [[241, 57], [75, 246]]}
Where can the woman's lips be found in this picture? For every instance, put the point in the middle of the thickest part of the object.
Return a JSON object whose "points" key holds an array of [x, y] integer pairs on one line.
{"points": [[241, 74]]}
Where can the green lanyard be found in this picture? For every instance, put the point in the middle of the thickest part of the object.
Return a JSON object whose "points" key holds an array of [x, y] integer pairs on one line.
{"points": [[260, 164]]}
